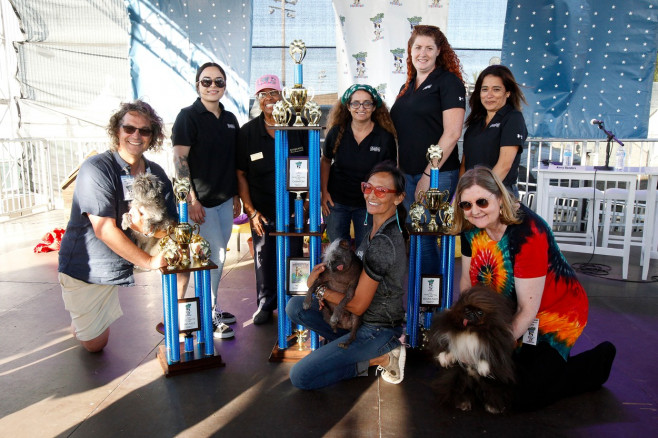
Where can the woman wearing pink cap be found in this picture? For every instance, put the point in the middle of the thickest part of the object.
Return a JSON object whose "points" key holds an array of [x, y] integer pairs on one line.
{"points": [[255, 172]]}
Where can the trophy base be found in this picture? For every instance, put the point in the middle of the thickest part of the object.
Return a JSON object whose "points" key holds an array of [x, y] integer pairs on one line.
{"points": [[292, 353], [190, 362]]}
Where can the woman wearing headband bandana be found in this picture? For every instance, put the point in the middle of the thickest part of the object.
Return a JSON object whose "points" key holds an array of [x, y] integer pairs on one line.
{"points": [[205, 138], [507, 247], [361, 134]]}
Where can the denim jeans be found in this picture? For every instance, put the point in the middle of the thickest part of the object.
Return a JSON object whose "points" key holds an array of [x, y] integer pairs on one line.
{"points": [[330, 363], [217, 230], [429, 253], [338, 222]]}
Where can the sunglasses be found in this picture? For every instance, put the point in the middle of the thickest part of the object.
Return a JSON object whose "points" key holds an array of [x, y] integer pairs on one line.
{"points": [[130, 130], [481, 203], [207, 82], [367, 104], [263, 94], [380, 192]]}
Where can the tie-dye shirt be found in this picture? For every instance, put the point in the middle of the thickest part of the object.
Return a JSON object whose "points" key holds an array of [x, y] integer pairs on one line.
{"points": [[529, 250]]}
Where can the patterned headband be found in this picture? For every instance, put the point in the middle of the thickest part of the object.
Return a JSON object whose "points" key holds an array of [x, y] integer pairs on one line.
{"points": [[354, 88]]}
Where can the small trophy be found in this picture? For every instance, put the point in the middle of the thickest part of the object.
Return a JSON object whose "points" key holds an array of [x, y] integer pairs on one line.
{"points": [[416, 213], [281, 113]]}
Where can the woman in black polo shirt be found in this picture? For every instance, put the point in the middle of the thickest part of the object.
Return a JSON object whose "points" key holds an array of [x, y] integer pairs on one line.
{"points": [[495, 128], [361, 134], [429, 110]]}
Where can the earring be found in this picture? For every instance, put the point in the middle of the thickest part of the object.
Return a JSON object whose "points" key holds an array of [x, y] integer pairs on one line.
{"points": [[397, 218], [365, 222]]}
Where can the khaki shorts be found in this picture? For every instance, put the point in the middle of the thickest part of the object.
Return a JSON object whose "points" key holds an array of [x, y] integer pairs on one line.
{"points": [[93, 307]]}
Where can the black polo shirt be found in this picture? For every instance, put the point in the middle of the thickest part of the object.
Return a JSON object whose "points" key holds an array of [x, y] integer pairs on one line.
{"points": [[256, 158], [353, 161], [482, 143], [418, 118], [212, 143]]}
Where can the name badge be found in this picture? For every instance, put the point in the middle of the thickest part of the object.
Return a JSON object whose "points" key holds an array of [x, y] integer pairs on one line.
{"points": [[530, 337], [256, 157], [127, 183]]}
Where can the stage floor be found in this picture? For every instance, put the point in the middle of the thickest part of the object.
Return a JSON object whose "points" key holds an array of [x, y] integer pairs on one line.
{"points": [[53, 387]]}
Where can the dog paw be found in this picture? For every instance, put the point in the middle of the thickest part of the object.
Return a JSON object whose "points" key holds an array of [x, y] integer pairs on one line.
{"points": [[446, 359], [492, 409], [483, 368], [464, 406]]}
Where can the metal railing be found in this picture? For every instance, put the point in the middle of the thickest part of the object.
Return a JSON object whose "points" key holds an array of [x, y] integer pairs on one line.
{"points": [[33, 169]]}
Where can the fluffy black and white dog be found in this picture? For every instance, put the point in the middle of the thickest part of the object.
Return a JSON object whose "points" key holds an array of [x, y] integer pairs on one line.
{"points": [[473, 343], [342, 272], [148, 199]]}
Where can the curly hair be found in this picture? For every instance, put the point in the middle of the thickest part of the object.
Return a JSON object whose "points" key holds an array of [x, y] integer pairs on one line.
{"points": [[141, 108], [478, 112], [340, 116], [485, 178], [447, 58]]}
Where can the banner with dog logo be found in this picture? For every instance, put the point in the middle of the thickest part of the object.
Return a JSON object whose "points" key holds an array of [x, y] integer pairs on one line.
{"points": [[372, 37]]}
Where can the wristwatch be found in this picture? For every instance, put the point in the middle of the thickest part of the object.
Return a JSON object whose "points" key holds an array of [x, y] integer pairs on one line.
{"points": [[319, 292]]}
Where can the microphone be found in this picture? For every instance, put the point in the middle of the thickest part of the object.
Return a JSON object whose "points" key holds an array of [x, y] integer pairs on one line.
{"points": [[596, 122]]}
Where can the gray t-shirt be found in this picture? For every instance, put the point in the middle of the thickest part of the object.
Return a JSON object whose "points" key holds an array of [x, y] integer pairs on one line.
{"points": [[385, 260]]}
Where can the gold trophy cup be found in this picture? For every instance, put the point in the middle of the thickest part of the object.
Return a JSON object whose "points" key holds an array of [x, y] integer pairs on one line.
{"points": [[433, 200]]}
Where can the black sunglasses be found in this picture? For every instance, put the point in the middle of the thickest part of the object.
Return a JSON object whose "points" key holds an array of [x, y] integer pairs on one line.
{"points": [[482, 203], [207, 82], [144, 132]]}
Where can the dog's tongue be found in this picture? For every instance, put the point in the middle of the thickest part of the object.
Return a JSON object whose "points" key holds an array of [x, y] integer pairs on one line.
{"points": [[465, 322], [340, 267]]}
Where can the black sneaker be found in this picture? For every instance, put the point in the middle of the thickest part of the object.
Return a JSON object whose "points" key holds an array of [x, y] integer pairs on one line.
{"points": [[262, 316], [225, 317]]}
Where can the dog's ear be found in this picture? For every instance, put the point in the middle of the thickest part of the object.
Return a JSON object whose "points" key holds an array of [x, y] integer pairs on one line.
{"points": [[344, 244]]}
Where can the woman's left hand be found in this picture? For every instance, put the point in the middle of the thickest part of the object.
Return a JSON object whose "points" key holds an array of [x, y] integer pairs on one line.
{"points": [[315, 273]]}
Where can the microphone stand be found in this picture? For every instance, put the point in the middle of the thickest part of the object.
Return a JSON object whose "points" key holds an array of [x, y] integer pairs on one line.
{"points": [[608, 147]]}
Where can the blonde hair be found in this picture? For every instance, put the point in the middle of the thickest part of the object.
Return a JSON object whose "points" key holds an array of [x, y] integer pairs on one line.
{"points": [[484, 177]]}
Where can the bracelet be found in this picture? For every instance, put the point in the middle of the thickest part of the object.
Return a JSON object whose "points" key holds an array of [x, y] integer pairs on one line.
{"points": [[425, 173], [253, 215], [319, 292]]}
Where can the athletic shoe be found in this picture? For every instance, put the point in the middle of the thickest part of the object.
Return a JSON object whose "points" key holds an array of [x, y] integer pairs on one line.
{"points": [[225, 317], [262, 316], [394, 371], [223, 331]]}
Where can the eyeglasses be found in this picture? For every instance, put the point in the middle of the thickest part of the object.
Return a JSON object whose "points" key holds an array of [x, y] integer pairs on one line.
{"points": [[481, 203], [207, 82], [263, 94], [130, 130], [380, 192], [367, 104]]}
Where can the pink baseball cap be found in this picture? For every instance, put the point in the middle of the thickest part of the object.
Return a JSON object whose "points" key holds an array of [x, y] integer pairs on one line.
{"points": [[268, 81]]}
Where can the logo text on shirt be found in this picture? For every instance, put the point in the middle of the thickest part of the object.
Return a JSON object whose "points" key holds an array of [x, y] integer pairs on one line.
{"points": [[495, 125], [427, 87], [230, 125], [375, 149]]}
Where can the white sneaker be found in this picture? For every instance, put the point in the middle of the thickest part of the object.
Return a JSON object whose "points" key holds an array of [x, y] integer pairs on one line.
{"points": [[394, 371], [223, 331]]}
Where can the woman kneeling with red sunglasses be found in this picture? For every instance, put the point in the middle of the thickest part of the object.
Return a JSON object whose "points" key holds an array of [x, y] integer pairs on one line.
{"points": [[378, 296]]}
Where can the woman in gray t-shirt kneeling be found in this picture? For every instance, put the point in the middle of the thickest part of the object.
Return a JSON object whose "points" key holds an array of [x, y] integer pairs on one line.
{"points": [[378, 296]]}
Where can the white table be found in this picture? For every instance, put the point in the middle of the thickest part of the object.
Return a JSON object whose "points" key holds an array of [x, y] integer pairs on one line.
{"points": [[630, 176]]}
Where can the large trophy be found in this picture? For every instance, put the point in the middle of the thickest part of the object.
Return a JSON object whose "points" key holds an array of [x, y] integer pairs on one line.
{"points": [[298, 97]]}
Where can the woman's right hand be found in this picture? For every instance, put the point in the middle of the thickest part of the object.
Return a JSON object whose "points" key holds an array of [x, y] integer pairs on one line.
{"points": [[196, 212], [256, 223], [315, 273], [326, 202]]}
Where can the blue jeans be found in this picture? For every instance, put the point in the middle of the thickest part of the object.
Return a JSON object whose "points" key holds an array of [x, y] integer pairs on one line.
{"points": [[330, 363], [217, 230], [429, 253], [338, 222]]}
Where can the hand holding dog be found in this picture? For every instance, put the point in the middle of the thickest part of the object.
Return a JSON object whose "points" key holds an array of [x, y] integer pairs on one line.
{"points": [[315, 272]]}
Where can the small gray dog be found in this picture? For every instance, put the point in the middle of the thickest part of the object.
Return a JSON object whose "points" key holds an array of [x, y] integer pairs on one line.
{"points": [[148, 199], [342, 272]]}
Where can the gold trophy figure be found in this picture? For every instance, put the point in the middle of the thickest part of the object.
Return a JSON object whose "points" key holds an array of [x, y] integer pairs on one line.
{"points": [[416, 213], [312, 113], [434, 155], [297, 96], [182, 188], [200, 249], [182, 235], [281, 113]]}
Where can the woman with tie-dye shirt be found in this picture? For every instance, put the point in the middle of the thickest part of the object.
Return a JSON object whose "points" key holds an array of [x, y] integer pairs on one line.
{"points": [[509, 248]]}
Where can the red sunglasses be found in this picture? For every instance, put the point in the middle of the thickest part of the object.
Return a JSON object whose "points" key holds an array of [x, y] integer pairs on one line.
{"points": [[380, 192]]}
